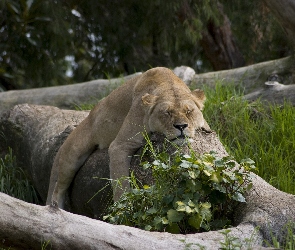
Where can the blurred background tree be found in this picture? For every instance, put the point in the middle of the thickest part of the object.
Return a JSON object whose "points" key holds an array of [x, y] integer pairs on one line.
{"points": [[53, 42]]}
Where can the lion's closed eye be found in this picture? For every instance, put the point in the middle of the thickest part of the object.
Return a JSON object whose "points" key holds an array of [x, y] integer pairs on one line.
{"points": [[167, 112], [189, 111]]}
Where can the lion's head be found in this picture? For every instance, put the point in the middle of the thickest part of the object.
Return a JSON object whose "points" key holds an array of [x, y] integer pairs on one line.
{"points": [[176, 116]]}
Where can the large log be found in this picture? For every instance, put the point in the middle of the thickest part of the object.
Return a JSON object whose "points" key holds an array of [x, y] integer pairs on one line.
{"points": [[36, 132], [274, 92], [27, 226]]}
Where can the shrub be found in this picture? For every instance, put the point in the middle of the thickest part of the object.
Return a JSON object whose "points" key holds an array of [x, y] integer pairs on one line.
{"points": [[189, 194]]}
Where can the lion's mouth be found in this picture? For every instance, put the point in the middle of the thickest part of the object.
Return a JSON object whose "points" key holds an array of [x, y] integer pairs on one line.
{"points": [[182, 136]]}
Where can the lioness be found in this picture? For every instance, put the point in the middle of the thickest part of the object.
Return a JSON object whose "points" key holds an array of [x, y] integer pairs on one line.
{"points": [[155, 101]]}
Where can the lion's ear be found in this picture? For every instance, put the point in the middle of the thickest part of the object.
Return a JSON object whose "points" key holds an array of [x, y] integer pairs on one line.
{"points": [[148, 99], [200, 95]]}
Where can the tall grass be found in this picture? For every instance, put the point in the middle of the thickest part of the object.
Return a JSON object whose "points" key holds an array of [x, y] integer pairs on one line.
{"points": [[14, 182], [262, 132]]}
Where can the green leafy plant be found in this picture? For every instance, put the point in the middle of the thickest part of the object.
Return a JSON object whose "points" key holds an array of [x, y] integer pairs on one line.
{"points": [[230, 242], [190, 193]]}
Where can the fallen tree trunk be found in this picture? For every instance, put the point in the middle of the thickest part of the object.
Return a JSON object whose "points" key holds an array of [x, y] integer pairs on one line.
{"points": [[35, 134], [28, 226], [250, 77], [274, 92]]}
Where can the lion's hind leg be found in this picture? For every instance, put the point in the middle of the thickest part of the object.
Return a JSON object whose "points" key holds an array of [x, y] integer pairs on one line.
{"points": [[68, 165]]}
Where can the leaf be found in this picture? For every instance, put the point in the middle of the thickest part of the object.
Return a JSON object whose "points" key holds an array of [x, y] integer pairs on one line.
{"points": [[249, 186], [186, 156], [180, 203], [247, 161], [106, 217], [137, 214], [238, 197], [173, 228], [215, 177], [156, 163], [205, 211], [193, 174], [174, 216], [206, 205], [146, 165], [180, 206], [191, 204], [195, 221], [148, 227], [189, 210], [185, 164], [168, 198], [196, 197], [206, 172], [157, 220], [219, 163], [151, 211], [165, 220]]}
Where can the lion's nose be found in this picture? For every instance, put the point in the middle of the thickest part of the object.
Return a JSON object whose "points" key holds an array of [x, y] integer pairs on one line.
{"points": [[181, 127]]}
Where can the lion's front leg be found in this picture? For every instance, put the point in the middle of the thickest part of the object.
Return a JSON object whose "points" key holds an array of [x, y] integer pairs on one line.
{"points": [[120, 157]]}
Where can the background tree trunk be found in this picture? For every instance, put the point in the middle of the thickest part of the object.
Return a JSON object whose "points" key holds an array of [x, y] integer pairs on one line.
{"points": [[284, 11], [65, 96], [220, 46], [251, 77]]}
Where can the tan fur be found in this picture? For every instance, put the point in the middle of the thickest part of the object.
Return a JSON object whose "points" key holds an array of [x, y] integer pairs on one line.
{"points": [[156, 101]]}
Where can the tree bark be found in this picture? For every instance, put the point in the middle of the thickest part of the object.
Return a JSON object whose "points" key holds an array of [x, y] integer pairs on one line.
{"points": [[284, 11], [28, 226], [220, 46]]}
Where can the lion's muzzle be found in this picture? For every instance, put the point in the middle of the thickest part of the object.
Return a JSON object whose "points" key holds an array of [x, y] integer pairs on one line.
{"points": [[181, 128]]}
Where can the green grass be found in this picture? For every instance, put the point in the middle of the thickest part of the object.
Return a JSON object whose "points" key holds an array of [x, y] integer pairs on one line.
{"points": [[264, 133], [14, 182]]}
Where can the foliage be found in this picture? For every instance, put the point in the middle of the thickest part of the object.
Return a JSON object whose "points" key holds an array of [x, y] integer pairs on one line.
{"points": [[45, 42], [14, 182], [189, 194], [230, 242], [259, 35], [34, 42], [50, 42], [264, 133]]}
